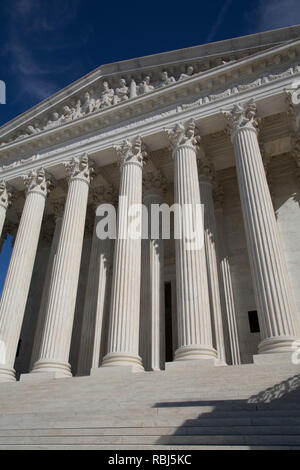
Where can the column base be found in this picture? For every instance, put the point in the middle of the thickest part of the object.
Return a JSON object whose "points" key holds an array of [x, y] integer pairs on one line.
{"points": [[195, 353], [278, 344], [48, 369], [221, 362], [7, 374], [117, 359]]}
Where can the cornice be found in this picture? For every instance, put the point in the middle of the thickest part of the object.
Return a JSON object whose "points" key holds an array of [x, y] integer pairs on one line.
{"points": [[199, 84], [163, 113], [149, 125], [206, 52]]}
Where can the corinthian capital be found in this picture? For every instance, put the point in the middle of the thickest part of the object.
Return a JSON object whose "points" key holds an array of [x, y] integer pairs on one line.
{"points": [[5, 196], [293, 101], [37, 182], [78, 168], [184, 134], [242, 116], [132, 151]]}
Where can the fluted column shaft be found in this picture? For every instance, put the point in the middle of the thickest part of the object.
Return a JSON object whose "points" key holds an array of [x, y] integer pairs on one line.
{"points": [[4, 202], [56, 338], [18, 277], [152, 344], [93, 343], [194, 323], [276, 307], [227, 291], [123, 341], [45, 294], [210, 239]]}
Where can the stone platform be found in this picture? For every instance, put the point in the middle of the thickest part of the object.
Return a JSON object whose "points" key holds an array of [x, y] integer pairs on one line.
{"points": [[189, 406]]}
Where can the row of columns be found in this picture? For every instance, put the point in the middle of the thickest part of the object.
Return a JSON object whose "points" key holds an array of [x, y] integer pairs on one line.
{"points": [[200, 336]]}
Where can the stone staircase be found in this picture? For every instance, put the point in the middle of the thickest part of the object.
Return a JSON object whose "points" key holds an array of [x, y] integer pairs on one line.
{"points": [[188, 406]]}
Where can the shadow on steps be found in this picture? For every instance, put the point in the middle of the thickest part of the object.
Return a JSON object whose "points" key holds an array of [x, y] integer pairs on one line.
{"points": [[269, 418]]}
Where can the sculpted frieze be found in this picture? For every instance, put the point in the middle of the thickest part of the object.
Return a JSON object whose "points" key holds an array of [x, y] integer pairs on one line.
{"points": [[106, 95], [241, 87], [96, 100]]}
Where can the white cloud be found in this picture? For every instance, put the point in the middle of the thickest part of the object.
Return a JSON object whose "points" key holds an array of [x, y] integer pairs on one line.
{"points": [[272, 14], [26, 20], [219, 20]]}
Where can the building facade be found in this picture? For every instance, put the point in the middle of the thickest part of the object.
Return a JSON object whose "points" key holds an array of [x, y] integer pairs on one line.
{"points": [[216, 125]]}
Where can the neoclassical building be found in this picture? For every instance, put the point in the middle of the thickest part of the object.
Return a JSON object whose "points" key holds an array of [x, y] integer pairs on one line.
{"points": [[216, 125]]}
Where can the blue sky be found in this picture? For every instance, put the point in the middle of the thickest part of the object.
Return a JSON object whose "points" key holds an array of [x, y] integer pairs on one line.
{"points": [[47, 44]]}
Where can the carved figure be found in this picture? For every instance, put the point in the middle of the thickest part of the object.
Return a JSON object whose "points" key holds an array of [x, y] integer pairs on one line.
{"points": [[121, 93], [165, 79], [189, 73]]}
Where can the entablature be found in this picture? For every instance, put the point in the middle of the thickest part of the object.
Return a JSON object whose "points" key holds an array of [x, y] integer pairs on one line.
{"points": [[268, 94], [197, 91]]}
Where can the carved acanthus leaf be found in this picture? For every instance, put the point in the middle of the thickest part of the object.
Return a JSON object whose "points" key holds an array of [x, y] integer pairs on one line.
{"points": [[293, 101], [132, 151], [184, 134], [78, 168], [5, 195], [37, 181], [241, 116]]}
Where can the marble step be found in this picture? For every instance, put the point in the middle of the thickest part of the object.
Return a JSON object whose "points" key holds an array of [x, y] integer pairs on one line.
{"points": [[150, 417], [180, 440], [138, 447], [183, 430], [209, 422]]}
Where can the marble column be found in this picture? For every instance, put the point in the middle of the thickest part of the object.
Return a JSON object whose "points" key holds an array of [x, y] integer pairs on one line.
{"points": [[152, 338], [266, 159], [194, 322], [4, 203], [56, 338], [58, 212], [123, 342], [274, 298], [17, 282], [226, 288], [206, 175], [94, 336]]}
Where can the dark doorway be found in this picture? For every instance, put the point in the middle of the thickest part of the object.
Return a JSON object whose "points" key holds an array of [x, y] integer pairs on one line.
{"points": [[168, 322], [253, 321]]}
